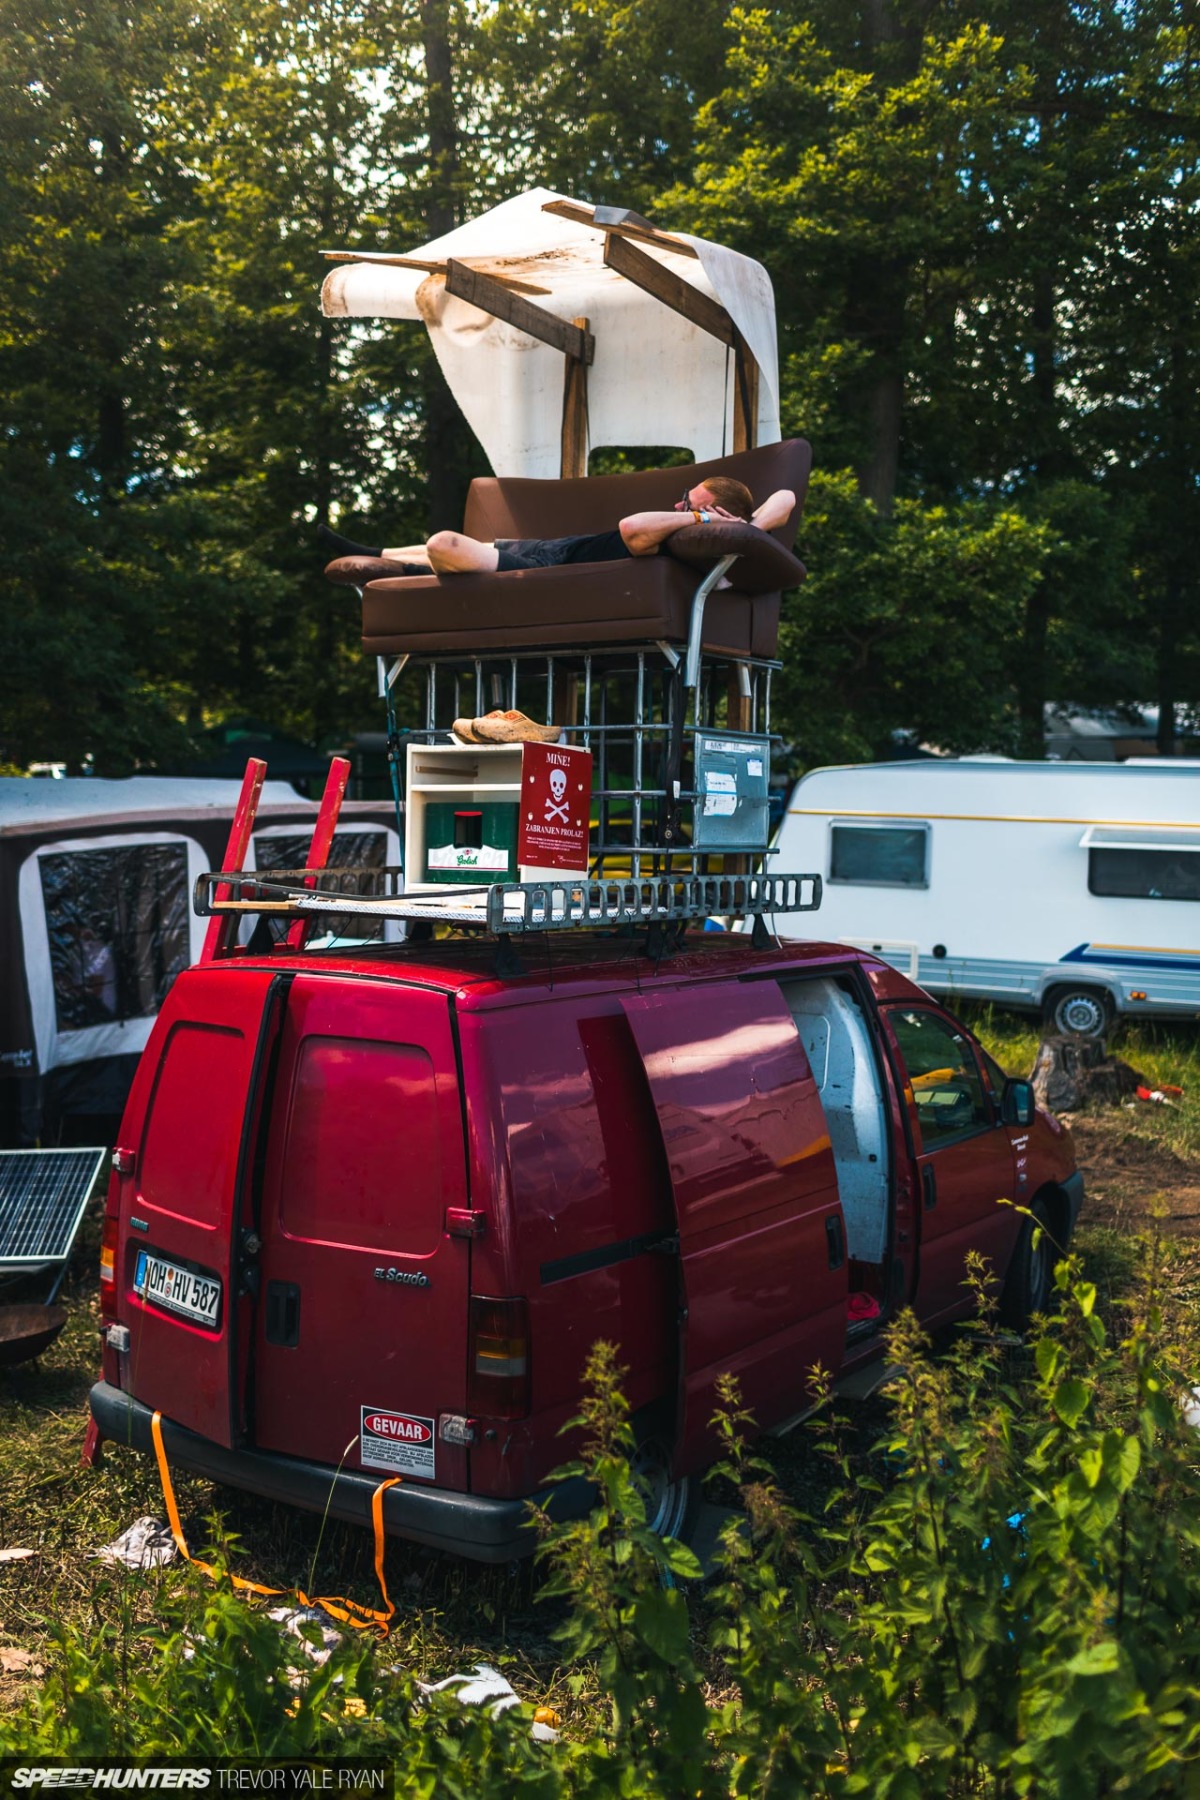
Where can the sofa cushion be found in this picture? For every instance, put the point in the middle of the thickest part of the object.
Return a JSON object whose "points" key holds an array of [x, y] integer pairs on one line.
{"points": [[517, 506], [639, 600]]}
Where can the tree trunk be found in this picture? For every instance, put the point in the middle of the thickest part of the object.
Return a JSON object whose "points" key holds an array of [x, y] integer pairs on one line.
{"points": [[879, 472], [447, 435], [892, 38]]}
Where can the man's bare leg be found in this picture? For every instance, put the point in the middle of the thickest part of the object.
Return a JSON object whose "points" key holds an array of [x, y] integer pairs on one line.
{"points": [[406, 553], [453, 553]]}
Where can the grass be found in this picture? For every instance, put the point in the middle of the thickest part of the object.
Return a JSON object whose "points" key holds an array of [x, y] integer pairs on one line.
{"points": [[450, 1614], [1162, 1053]]}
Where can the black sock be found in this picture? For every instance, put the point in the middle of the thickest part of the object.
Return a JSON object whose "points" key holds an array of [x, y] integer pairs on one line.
{"points": [[344, 546]]}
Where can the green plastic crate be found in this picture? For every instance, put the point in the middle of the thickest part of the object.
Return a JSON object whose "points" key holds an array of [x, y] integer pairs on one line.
{"points": [[471, 844]]}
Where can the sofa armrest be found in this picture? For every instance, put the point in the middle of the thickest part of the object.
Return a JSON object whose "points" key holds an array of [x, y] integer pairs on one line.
{"points": [[763, 566], [356, 571]]}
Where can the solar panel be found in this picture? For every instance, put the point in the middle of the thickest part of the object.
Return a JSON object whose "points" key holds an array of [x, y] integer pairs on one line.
{"points": [[42, 1197]]}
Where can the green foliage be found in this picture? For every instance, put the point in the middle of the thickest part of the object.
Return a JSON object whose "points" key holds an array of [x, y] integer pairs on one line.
{"points": [[1002, 1600], [931, 588], [980, 223]]}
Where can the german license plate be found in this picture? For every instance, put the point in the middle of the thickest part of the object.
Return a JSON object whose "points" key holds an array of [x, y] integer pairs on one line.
{"points": [[178, 1290]]}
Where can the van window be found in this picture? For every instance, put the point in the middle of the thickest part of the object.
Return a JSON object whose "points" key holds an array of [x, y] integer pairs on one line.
{"points": [[943, 1075], [1145, 874], [117, 921], [363, 1163], [880, 855]]}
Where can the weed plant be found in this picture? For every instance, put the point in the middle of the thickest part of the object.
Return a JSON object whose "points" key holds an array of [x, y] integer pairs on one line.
{"points": [[1002, 1599]]}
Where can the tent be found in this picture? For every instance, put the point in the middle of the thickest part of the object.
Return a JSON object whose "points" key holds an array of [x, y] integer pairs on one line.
{"points": [[562, 327], [96, 921]]}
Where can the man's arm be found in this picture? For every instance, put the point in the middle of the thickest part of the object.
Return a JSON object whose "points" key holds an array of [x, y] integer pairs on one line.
{"points": [[644, 533], [775, 510]]}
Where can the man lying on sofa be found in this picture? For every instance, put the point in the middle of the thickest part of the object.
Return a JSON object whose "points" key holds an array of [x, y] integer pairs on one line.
{"points": [[641, 534]]}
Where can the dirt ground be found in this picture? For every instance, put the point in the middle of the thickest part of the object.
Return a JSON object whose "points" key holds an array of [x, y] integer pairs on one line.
{"points": [[1131, 1181]]}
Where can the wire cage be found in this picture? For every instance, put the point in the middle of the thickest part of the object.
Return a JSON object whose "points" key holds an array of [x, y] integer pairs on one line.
{"points": [[659, 802]]}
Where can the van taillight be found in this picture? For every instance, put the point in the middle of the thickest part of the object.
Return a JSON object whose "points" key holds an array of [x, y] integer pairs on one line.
{"points": [[108, 1267], [498, 1383]]}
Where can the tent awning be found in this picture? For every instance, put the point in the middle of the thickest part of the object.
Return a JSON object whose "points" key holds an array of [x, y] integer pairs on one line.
{"points": [[682, 346], [1136, 837]]}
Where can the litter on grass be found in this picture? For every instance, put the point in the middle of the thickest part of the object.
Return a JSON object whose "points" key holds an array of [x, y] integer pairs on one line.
{"points": [[297, 1622], [147, 1544], [487, 1687], [15, 1555]]}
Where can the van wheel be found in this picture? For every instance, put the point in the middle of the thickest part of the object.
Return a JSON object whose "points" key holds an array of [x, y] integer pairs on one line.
{"points": [[672, 1502], [1079, 1012], [1030, 1273]]}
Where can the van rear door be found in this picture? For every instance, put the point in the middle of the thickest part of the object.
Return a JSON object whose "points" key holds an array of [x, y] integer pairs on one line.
{"points": [[761, 1234], [185, 1207], [361, 1340]]}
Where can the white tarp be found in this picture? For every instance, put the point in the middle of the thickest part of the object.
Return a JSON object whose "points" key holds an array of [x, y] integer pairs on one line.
{"points": [[656, 378]]}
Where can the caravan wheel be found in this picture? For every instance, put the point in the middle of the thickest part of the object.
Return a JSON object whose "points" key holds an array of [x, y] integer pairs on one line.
{"points": [[1079, 1012]]}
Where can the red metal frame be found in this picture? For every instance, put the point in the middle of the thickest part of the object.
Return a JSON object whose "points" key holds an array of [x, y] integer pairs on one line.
{"points": [[221, 935], [322, 838]]}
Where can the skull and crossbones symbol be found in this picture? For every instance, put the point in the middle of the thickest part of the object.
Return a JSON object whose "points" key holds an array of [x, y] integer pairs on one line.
{"points": [[556, 805]]}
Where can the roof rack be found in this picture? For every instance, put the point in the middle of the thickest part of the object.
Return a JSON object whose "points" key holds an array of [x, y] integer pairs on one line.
{"points": [[511, 907]]}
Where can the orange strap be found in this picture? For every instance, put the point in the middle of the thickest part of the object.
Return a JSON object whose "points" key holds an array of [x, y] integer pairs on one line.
{"points": [[346, 1612]]}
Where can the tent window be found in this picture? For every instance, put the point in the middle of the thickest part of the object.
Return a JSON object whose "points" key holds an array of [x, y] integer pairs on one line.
{"points": [[1145, 874], [117, 921], [360, 850], [880, 855]]}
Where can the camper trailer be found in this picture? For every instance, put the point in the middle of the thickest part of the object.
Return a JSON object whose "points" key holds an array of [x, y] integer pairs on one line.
{"points": [[1071, 888], [96, 880]]}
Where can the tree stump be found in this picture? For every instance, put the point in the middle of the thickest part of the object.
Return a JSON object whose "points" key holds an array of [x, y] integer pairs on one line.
{"points": [[1071, 1071]]}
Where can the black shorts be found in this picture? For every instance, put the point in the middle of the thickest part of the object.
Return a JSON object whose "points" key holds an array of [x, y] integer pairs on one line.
{"points": [[551, 553]]}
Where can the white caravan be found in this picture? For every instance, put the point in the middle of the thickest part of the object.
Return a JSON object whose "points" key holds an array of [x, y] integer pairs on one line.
{"points": [[1074, 887]]}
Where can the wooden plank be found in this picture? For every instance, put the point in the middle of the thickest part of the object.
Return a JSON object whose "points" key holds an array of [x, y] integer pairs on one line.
{"points": [[574, 452], [322, 839], [485, 292], [665, 285], [745, 395], [579, 215], [221, 934], [434, 268]]}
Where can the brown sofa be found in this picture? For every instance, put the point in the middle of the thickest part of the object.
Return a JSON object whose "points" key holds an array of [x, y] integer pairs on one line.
{"points": [[642, 599]]}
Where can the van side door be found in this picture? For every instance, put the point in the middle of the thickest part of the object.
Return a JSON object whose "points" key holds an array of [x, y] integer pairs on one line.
{"points": [[762, 1240], [964, 1155]]}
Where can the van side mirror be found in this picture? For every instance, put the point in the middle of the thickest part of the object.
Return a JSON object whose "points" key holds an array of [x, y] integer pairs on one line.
{"points": [[1017, 1104]]}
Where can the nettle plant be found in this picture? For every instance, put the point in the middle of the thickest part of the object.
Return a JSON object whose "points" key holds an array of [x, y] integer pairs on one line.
{"points": [[1000, 1597]]}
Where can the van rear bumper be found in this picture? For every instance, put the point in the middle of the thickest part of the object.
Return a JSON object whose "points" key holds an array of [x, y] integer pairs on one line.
{"points": [[491, 1531]]}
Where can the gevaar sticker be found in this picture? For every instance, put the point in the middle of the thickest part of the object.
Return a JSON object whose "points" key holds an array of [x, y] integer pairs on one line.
{"points": [[401, 1442]]}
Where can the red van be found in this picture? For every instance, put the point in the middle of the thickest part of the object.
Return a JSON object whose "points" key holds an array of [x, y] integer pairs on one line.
{"points": [[371, 1210]]}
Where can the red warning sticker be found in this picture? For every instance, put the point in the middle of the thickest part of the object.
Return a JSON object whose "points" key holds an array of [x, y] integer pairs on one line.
{"points": [[402, 1442]]}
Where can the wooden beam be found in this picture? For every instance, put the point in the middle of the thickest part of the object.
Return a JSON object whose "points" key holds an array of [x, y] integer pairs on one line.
{"points": [[574, 452], [580, 215], [431, 268], [745, 395], [665, 285], [485, 292]]}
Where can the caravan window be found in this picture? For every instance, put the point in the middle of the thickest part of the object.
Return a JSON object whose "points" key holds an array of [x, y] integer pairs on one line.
{"points": [[117, 920], [362, 850], [880, 855], [1145, 874]]}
